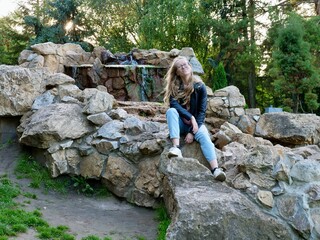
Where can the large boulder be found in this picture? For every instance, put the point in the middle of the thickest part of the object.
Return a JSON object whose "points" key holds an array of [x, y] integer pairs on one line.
{"points": [[202, 208], [289, 129], [54, 123], [19, 87], [54, 57], [226, 103]]}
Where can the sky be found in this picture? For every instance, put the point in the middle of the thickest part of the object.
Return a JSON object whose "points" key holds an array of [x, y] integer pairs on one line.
{"points": [[7, 6]]}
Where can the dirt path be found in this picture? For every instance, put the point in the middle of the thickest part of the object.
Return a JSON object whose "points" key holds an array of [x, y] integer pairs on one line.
{"points": [[102, 217]]}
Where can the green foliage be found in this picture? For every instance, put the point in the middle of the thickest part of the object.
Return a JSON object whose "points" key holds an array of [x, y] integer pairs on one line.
{"points": [[264, 93], [219, 77], [81, 185], [312, 100], [62, 14], [89, 187], [293, 67], [8, 142], [113, 23], [164, 222], [174, 24], [12, 42], [27, 167], [59, 232], [14, 220], [7, 192], [312, 33], [30, 195], [224, 31], [91, 237]]}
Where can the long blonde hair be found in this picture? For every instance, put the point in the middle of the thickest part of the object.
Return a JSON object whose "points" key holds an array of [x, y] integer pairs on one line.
{"points": [[174, 82]]}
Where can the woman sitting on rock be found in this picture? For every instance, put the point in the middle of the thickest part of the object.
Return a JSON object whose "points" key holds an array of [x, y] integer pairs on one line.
{"points": [[187, 96]]}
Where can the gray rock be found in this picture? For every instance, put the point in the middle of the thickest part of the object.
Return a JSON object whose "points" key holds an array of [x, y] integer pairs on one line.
{"points": [[19, 87], [55, 123], [99, 119], [289, 129], [43, 100], [57, 79], [200, 207], [133, 126], [97, 101], [111, 130]]}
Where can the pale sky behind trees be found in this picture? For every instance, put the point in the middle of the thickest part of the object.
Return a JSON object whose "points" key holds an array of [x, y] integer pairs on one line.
{"points": [[7, 6]]}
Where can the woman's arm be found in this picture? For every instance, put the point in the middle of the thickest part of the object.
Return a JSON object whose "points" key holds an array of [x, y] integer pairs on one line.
{"points": [[181, 110]]}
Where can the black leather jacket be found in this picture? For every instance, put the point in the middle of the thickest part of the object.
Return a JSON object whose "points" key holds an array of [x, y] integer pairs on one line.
{"points": [[198, 105]]}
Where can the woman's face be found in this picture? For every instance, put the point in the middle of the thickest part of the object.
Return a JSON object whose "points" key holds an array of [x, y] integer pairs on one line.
{"points": [[184, 69]]}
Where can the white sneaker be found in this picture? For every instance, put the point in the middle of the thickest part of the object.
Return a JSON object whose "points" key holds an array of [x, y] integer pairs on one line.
{"points": [[219, 175], [174, 152]]}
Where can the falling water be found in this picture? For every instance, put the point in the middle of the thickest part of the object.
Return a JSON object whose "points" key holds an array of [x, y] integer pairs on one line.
{"points": [[75, 75], [75, 72], [143, 84]]}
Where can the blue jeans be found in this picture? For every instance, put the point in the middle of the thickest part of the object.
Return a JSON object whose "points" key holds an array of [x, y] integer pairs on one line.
{"points": [[177, 126]]}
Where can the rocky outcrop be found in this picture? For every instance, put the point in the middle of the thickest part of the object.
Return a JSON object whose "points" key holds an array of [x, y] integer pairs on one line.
{"points": [[134, 76], [202, 208], [19, 87], [54, 56], [83, 133], [289, 129], [226, 103], [272, 191], [281, 181], [54, 123], [89, 134]]}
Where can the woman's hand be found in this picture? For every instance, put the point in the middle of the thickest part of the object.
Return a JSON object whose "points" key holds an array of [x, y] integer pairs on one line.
{"points": [[189, 138], [194, 124]]}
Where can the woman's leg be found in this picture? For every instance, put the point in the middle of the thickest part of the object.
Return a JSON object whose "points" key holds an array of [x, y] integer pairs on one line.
{"points": [[173, 124], [209, 152], [207, 146]]}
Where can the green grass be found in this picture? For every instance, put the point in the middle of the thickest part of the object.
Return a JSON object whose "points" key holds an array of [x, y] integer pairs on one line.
{"points": [[89, 187], [164, 222], [40, 176], [28, 168], [14, 220], [95, 238], [59, 232]]}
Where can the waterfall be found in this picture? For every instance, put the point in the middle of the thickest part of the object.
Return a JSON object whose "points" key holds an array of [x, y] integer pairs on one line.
{"points": [[76, 75], [143, 84], [75, 72]]}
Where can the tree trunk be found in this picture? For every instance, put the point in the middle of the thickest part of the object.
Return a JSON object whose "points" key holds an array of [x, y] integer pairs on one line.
{"points": [[317, 7], [252, 69]]}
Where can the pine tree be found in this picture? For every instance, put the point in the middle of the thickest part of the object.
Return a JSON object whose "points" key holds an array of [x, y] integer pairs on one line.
{"points": [[296, 78], [219, 77]]}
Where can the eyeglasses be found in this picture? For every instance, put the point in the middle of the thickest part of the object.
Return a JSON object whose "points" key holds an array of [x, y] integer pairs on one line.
{"points": [[183, 66]]}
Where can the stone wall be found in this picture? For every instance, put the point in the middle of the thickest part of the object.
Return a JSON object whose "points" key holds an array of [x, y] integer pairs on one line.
{"points": [[134, 76], [125, 82]]}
